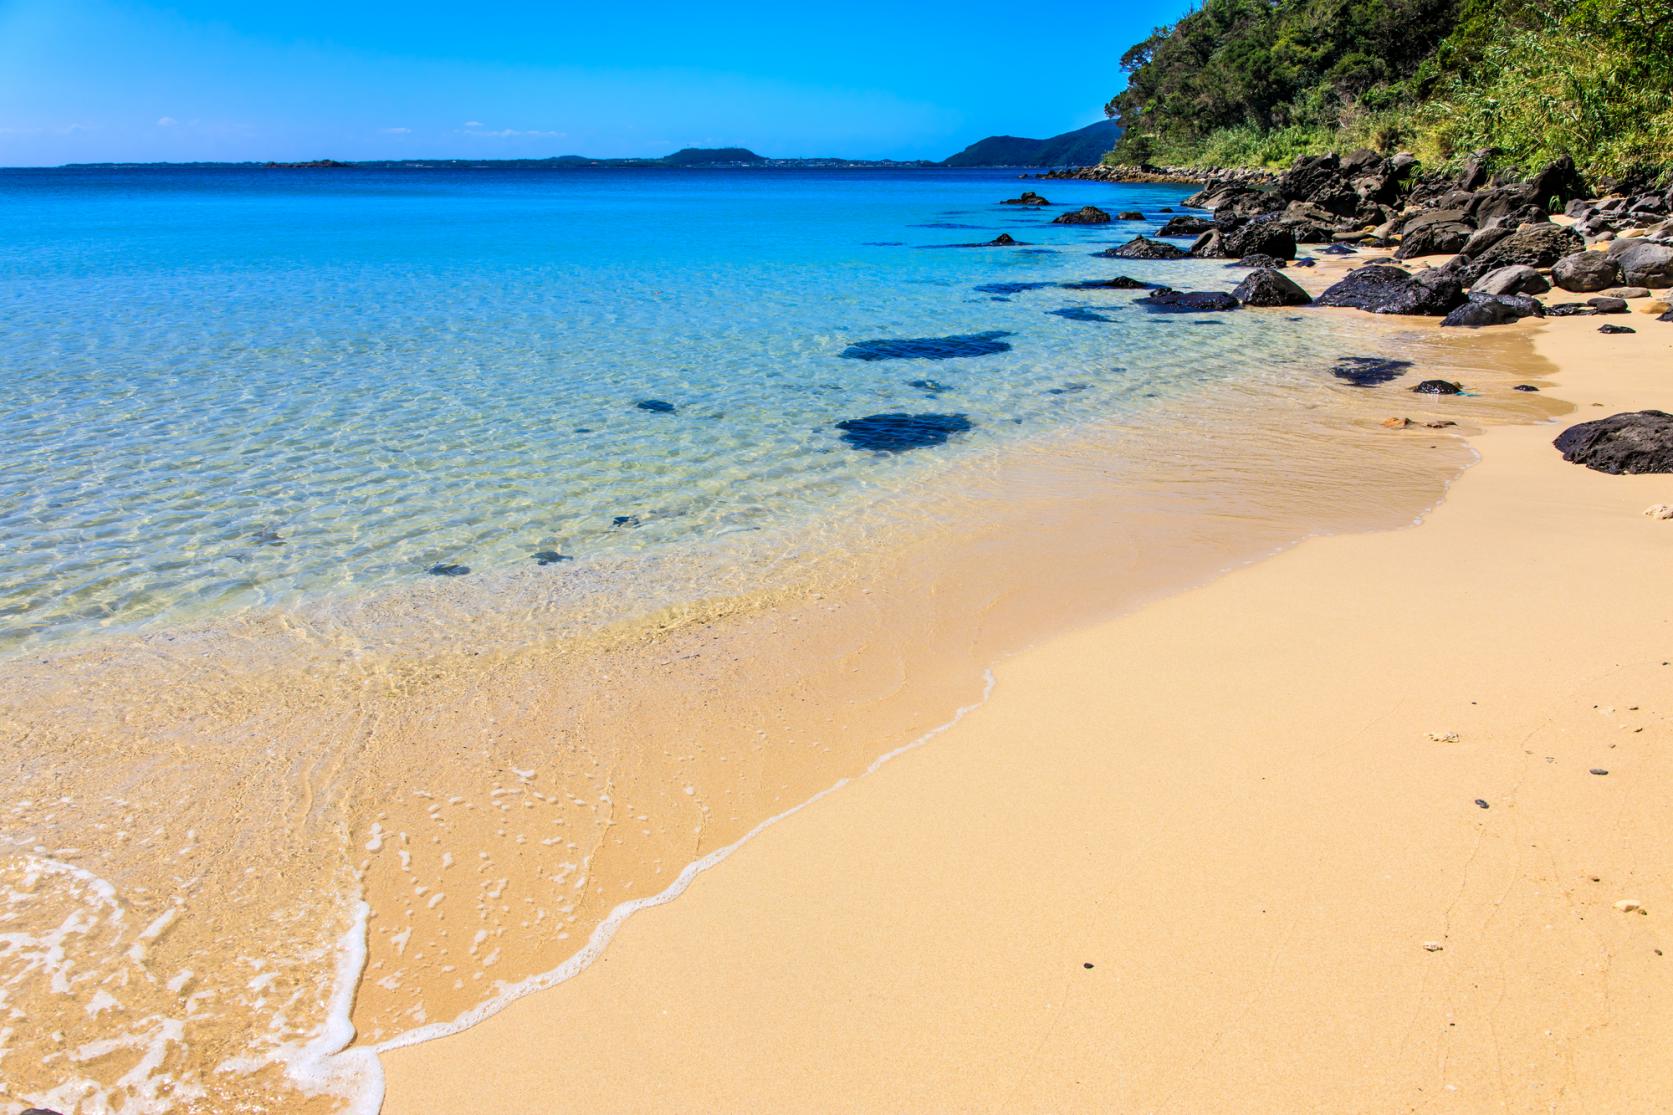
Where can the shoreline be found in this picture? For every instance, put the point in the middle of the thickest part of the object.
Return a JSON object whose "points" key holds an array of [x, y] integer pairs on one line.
{"points": [[555, 1014]]}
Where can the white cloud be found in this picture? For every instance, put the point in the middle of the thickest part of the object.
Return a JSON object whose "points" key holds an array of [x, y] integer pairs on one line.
{"points": [[395, 131], [514, 133], [166, 122], [473, 123]]}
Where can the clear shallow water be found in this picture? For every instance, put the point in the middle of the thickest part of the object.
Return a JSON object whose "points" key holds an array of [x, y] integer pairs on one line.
{"points": [[234, 388]]}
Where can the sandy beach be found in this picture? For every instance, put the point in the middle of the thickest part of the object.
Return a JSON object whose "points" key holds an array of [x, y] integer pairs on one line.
{"points": [[1330, 833]]}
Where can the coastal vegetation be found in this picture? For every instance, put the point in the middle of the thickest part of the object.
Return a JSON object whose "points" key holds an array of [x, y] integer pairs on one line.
{"points": [[1259, 82]]}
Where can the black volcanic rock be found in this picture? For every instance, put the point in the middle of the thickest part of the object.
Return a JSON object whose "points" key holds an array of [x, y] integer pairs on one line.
{"points": [[1186, 226], [1142, 247], [1085, 215], [899, 432], [1167, 301], [1438, 387], [1366, 288], [1635, 442], [1267, 287], [1028, 197], [1119, 282], [929, 348]]}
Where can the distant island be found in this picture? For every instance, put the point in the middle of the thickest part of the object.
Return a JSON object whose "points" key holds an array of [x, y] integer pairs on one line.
{"points": [[1083, 147]]}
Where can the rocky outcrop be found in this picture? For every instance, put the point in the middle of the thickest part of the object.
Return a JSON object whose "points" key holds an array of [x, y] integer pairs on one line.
{"points": [[1635, 442], [1142, 247], [1184, 225], [1515, 279], [1188, 301], [1267, 287], [1385, 289], [1585, 272], [1085, 215], [1532, 245], [1028, 197]]}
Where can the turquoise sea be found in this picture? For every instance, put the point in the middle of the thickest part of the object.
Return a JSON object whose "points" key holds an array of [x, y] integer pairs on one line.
{"points": [[237, 387]]}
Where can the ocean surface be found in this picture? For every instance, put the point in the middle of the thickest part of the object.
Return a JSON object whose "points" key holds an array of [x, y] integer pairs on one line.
{"points": [[237, 388], [330, 494]]}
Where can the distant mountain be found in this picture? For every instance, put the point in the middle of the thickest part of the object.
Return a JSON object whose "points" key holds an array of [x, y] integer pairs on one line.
{"points": [[1083, 147], [709, 156]]}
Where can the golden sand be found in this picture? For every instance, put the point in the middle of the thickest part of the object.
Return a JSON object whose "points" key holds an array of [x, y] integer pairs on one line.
{"points": [[1223, 853]]}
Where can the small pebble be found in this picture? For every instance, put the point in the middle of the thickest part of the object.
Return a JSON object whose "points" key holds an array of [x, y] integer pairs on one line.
{"points": [[1599, 770], [1432, 946], [1659, 511], [1087, 965], [1630, 906], [1481, 803], [1444, 737]]}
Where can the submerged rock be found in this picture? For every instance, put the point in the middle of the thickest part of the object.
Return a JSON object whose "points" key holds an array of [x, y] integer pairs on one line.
{"points": [[1079, 313], [1370, 371], [1167, 301], [1085, 215], [1635, 442], [1267, 287], [1142, 247], [929, 348], [445, 569], [1120, 282], [549, 557], [655, 406], [929, 386], [899, 432], [1009, 288], [624, 521]]}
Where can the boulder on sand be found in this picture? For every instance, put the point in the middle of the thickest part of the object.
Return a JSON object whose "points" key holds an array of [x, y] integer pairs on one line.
{"points": [[1515, 279], [1584, 272], [1635, 442], [1188, 301], [1186, 226], [1267, 287], [1643, 262], [1540, 245]]}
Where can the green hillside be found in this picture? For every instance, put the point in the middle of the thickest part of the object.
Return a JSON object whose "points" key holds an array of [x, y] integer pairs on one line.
{"points": [[1077, 148], [1257, 82]]}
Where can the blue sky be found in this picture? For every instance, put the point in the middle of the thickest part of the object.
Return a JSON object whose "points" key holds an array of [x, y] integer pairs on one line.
{"points": [[96, 80]]}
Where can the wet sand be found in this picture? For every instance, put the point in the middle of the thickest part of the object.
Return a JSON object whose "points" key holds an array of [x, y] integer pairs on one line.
{"points": [[1219, 853]]}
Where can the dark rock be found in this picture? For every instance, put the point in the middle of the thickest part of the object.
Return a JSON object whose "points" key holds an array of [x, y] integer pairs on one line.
{"points": [[655, 406], [1259, 236], [1433, 238], [1009, 288], [1524, 387], [1483, 238], [1119, 282], [1475, 314], [1481, 803], [1557, 184], [1431, 293], [1130, 215], [1079, 313], [549, 557], [929, 348], [444, 569], [1259, 261], [1607, 305], [1438, 387], [1668, 316], [1142, 247], [1534, 246], [627, 521], [1085, 215], [1186, 226], [1003, 240], [1029, 197], [1635, 442], [1584, 272], [1370, 371], [1515, 279], [1267, 287], [1367, 288], [1643, 262], [1615, 329], [1338, 250], [1306, 263], [899, 432], [1167, 301], [1474, 174]]}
